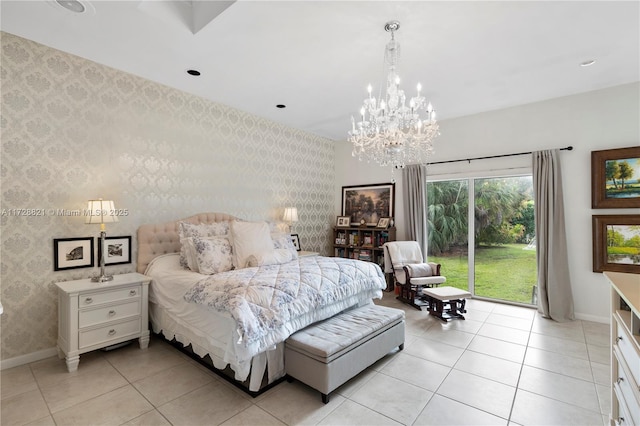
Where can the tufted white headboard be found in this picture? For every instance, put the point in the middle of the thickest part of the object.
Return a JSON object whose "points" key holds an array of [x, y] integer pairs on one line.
{"points": [[162, 238]]}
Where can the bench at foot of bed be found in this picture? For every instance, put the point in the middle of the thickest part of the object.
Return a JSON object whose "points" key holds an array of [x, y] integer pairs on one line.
{"points": [[327, 354]]}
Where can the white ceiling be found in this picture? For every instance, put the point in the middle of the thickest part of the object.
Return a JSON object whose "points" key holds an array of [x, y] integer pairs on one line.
{"points": [[317, 57]]}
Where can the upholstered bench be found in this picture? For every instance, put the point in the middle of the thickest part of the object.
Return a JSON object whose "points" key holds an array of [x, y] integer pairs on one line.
{"points": [[441, 296], [329, 353]]}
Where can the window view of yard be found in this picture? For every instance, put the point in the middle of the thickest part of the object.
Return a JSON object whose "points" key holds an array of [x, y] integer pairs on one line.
{"points": [[503, 245]]}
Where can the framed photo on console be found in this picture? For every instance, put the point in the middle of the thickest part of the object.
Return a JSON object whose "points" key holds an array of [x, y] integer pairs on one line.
{"points": [[343, 221], [296, 241]]}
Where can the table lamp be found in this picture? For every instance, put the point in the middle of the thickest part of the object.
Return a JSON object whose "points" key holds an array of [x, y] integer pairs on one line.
{"points": [[290, 216], [100, 212]]}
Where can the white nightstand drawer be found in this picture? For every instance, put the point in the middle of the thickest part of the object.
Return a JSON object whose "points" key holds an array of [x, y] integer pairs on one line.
{"points": [[92, 299], [110, 332], [90, 317]]}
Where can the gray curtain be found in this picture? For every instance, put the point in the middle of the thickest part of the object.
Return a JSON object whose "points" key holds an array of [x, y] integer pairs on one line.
{"points": [[555, 300], [414, 201]]}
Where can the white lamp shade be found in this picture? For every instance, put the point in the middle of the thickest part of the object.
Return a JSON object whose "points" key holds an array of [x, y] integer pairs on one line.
{"points": [[100, 211], [290, 214]]}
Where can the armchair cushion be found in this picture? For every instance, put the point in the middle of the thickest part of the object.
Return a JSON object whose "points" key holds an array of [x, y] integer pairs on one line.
{"points": [[420, 270], [424, 274]]}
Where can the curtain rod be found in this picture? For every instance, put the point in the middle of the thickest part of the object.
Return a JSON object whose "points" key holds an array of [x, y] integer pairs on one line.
{"points": [[568, 148]]}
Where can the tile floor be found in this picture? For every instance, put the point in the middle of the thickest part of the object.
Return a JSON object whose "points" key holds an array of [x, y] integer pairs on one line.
{"points": [[503, 365]]}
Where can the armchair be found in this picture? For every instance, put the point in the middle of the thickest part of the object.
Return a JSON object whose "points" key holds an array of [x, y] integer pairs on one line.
{"points": [[411, 273]]}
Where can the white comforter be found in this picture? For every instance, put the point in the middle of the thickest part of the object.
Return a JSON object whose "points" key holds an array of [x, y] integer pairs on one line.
{"points": [[269, 303]]}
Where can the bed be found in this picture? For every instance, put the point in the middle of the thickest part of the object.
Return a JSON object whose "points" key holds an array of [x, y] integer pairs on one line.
{"points": [[238, 317]]}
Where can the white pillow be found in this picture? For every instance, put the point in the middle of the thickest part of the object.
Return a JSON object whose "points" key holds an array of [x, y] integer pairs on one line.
{"points": [[211, 255], [283, 241], [249, 238], [270, 258], [202, 230]]}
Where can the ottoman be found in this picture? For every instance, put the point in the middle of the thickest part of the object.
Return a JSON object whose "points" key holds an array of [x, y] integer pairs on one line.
{"points": [[439, 297]]}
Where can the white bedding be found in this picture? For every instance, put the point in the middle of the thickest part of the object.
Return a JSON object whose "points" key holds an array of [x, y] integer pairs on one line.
{"points": [[212, 332]]}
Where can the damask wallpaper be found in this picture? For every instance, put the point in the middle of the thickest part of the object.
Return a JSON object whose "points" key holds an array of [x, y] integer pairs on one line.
{"points": [[74, 130]]}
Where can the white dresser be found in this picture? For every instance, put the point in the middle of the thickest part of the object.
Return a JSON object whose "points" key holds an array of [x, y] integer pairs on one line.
{"points": [[625, 348], [93, 315]]}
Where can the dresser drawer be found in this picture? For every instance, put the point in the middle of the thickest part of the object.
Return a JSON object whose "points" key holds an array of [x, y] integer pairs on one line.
{"points": [[92, 299], [104, 335], [627, 388], [627, 347], [89, 317], [624, 416]]}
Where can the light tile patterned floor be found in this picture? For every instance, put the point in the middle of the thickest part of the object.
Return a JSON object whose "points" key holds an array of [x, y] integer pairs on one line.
{"points": [[503, 365]]}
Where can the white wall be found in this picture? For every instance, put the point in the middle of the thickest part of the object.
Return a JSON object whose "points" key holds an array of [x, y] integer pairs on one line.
{"points": [[602, 119]]}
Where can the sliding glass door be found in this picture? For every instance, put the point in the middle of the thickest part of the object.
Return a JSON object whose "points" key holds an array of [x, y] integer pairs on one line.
{"points": [[482, 232]]}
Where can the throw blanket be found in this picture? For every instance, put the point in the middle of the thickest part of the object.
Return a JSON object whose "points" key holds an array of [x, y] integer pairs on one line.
{"points": [[270, 302]]}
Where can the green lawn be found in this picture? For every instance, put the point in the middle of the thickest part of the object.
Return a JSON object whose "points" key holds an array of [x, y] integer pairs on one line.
{"points": [[502, 272]]}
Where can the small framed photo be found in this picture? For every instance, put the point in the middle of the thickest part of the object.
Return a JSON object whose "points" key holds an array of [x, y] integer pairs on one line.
{"points": [[616, 243], [118, 250], [296, 241], [71, 253], [383, 223], [615, 178], [343, 221]]}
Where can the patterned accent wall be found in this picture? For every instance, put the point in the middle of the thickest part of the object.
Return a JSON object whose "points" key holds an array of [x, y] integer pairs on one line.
{"points": [[74, 130]]}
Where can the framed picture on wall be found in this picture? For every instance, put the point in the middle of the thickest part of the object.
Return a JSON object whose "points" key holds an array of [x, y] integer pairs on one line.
{"points": [[616, 243], [368, 202], [71, 253], [118, 250], [615, 178]]}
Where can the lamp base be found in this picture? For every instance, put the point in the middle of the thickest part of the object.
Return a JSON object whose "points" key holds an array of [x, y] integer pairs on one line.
{"points": [[102, 278]]}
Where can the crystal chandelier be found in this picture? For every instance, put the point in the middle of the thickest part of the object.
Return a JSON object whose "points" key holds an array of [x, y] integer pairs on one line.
{"points": [[390, 132]]}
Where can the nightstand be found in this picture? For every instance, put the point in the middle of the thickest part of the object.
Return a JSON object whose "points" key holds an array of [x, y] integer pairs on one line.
{"points": [[307, 253], [94, 315]]}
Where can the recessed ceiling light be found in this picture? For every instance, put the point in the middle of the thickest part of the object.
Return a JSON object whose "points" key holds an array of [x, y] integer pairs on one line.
{"points": [[72, 5], [281, 106], [193, 72], [588, 63]]}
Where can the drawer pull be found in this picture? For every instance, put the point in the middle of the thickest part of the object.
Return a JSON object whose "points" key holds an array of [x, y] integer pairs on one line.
{"points": [[112, 332], [88, 300], [620, 380], [133, 293], [618, 339], [112, 313], [620, 419]]}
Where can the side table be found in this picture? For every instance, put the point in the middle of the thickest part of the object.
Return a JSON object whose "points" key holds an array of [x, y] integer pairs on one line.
{"points": [[94, 315]]}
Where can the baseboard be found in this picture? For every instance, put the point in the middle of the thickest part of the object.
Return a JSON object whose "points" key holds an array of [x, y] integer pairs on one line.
{"points": [[28, 358], [592, 318]]}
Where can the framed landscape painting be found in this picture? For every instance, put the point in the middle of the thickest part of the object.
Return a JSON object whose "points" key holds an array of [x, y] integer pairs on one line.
{"points": [[615, 178], [616, 243], [368, 203]]}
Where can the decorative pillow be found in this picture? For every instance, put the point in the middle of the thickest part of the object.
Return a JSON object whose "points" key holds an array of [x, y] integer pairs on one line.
{"points": [[212, 255], [249, 238], [416, 270], [276, 256], [283, 242], [202, 230]]}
